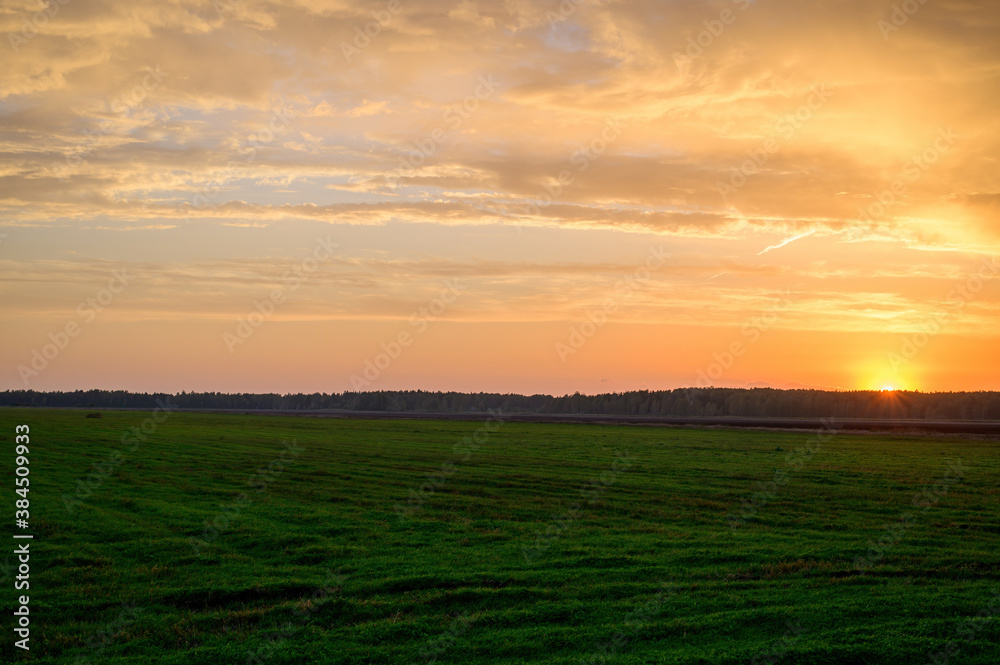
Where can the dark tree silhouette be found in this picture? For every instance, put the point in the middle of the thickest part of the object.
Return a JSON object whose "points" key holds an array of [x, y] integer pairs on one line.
{"points": [[753, 402]]}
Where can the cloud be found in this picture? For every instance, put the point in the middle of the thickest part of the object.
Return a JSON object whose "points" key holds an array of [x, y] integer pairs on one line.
{"points": [[786, 241]]}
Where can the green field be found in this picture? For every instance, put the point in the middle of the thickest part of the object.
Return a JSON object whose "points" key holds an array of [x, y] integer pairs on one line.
{"points": [[546, 543]]}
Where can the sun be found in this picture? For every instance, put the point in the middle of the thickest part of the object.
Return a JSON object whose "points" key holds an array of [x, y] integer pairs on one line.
{"points": [[876, 377]]}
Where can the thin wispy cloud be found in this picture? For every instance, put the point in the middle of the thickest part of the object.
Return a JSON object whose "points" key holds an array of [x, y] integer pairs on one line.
{"points": [[786, 241]]}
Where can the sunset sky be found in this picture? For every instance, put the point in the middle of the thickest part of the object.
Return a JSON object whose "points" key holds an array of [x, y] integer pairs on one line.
{"points": [[522, 195]]}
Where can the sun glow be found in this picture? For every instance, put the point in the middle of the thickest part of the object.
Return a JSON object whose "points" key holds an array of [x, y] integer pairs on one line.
{"points": [[886, 382], [874, 375]]}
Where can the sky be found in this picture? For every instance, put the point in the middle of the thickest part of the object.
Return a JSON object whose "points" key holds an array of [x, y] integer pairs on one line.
{"points": [[510, 195]]}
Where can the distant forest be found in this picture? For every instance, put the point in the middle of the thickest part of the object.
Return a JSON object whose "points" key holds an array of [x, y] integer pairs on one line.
{"points": [[709, 402]]}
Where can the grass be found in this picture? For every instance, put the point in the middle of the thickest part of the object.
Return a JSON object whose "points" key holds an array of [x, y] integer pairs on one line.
{"points": [[319, 567]]}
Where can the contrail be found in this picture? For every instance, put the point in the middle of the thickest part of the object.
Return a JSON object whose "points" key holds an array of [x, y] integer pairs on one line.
{"points": [[786, 241]]}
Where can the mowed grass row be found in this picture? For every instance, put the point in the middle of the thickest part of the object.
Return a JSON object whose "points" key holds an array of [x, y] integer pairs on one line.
{"points": [[134, 575]]}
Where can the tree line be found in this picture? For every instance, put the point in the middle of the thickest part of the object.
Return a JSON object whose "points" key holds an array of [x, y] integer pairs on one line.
{"points": [[714, 402]]}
